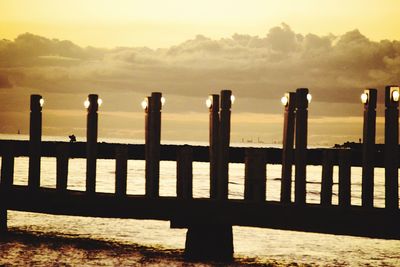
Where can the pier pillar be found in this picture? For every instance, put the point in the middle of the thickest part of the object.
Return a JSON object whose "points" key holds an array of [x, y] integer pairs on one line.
{"points": [[6, 181], [152, 146], [289, 101], [369, 98], [255, 175], [224, 140], [209, 242], [35, 140], [184, 173], [91, 142], [344, 162], [62, 166], [121, 170], [327, 177], [3, 220], [301, 145], [213, 106], [392, 94]]}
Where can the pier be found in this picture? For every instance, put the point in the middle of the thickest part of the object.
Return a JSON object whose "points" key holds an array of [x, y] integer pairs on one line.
{"points": [[209, 220]]}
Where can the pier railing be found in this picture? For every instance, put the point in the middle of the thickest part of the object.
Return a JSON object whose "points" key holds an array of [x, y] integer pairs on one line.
{"points": [[209, 220]]}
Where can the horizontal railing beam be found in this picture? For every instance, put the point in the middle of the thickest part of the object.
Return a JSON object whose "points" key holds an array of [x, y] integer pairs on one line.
{"points": [[169, 152], [355, 221]]}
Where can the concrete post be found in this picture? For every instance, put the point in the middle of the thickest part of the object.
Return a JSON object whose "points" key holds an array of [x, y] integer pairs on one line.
{"points": [[184, 173], [369, 128], [62, 166], [344, 178], [121, 170], [224, 140], [301, 145], [392, 147], [7, 177], [213, 106], [255, 175], [153, 145], [35, 140], [209, 242], [327, 178], [91, 143], [289, 101]]}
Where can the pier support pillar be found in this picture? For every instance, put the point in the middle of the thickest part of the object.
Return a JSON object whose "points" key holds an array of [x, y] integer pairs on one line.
{"points": [[3, 221], [368, 98], [209, 242], [392, 94], [289, 101], [223, 142], [6, 181], [301, 146], [152, 146], [213, 106], [35, 140], [91, 143]]}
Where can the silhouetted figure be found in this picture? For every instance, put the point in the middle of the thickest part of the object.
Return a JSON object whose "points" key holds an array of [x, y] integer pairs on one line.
{"points": [[72, 138]]}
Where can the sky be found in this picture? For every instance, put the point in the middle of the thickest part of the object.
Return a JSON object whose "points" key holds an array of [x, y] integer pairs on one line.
{"points": [[152, 23], [124, 50]]}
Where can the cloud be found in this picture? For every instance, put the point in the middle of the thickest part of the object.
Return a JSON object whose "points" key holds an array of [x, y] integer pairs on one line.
{"points": [[335, 68], [259, 70], [4, 82]]}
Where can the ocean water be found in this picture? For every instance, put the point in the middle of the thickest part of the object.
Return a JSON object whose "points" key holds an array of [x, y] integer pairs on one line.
{"points": [[44, 239]]}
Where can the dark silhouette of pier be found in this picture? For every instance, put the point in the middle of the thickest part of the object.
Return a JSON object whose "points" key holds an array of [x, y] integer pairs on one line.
{"points": [[209, 220]]}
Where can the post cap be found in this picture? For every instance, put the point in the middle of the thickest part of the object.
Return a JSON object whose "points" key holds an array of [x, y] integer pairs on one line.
{"points": [[301, 98], [392, 94], [289, 100], [369, 97], [36, 103], [156, 101], [226, 100], [92, 103], [212, 102]]}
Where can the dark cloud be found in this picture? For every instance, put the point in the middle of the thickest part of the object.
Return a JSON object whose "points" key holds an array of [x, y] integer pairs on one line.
{"points": [[335, 68], [4, 82]]}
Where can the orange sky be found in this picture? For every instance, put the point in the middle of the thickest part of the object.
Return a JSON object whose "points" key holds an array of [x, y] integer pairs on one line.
{"points": [[201, 53], [106, 23]]}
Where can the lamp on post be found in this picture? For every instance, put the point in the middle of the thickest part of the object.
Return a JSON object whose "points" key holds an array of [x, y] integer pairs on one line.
{"points": [[152, 107], [288, 101], [212, 103], [368, 98], [227, 100], [392, 94], [92, 104], [35, 139], [303, 98]]}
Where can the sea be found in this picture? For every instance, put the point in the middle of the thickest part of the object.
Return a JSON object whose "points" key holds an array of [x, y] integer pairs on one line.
{"points": [[53, 240]]}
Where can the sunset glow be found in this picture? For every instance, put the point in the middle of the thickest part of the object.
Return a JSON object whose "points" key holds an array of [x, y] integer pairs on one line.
{"points": [[124, 50], [164, 23]]}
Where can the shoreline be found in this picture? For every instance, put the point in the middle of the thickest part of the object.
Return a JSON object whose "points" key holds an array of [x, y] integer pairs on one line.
{"points": [[21, 247]]}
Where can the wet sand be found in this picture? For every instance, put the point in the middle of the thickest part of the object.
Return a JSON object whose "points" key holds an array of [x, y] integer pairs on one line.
{"points": [[21, 248]]}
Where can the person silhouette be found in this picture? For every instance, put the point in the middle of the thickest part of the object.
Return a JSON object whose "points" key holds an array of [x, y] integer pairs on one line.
{"points": [[72, 138]]}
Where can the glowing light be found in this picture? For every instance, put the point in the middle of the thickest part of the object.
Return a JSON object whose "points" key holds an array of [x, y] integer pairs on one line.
{"points": [[86, 103], [41, 102], [233, 98], [309, 98], [364, 98], [395, 93], [284, 100], [99, 101], [162, 101], [209, 102], [144, 104]]}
